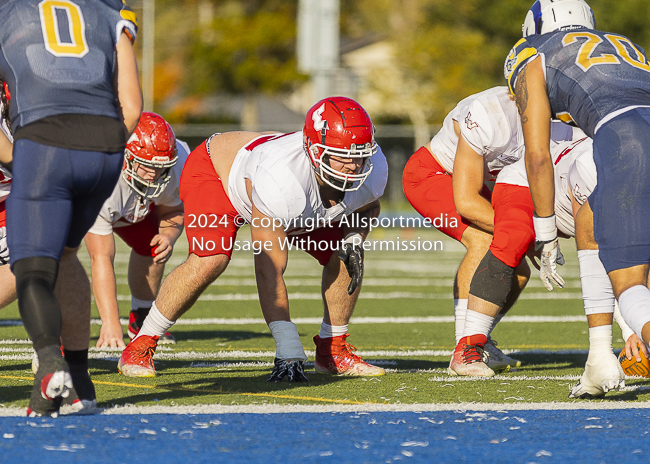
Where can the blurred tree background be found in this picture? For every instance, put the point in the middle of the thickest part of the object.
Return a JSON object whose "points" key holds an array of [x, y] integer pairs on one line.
{"points": [[444, 50]]}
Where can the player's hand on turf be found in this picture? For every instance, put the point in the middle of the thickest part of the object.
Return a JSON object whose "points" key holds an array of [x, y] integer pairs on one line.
{"points": [[632, 347], [4, 248], [293, 370], [351, 253], [111, 336], [550, 257], [164, 248]]}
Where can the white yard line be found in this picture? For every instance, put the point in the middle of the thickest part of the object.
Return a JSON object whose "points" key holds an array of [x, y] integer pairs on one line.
{"points": [[24, 353], [318, 320], [377, 296]]}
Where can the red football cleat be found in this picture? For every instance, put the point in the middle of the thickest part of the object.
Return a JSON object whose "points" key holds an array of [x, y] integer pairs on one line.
{"points": [[336, 356], [470, 357], [137, 357]]}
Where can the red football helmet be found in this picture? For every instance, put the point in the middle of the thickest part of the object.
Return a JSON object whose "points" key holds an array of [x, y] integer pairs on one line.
{"points": [[152, 144], [339, 126]]}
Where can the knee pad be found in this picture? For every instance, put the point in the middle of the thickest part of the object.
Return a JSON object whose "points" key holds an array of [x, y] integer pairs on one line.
{"points": [[492, 280], [39, 310]]}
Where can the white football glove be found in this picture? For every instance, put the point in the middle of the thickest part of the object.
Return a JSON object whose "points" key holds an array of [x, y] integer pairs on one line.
{"points": [[4, 248], [551, 256]]}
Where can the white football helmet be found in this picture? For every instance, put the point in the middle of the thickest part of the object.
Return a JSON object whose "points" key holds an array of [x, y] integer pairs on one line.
{"points": [[557, 15]]}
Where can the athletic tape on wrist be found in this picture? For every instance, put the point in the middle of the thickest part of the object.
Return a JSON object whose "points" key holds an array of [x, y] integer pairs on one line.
{"points": [[287, 341], [545, 228], [353, 238]]}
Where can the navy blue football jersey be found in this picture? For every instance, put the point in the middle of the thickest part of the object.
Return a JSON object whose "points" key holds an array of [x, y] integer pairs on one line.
{"points": [[58, 56], [589, 74]]}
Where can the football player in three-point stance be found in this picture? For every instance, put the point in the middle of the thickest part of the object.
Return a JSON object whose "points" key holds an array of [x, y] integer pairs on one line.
{"points": [[77, 99], [479, 138], [453, 177], [146, 211], [599, 81], [283, 185]]}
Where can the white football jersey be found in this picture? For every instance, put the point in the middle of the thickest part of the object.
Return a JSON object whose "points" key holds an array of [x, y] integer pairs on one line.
{"points": [[574, 171], [125, 206], [489, 123], [284, 183]]}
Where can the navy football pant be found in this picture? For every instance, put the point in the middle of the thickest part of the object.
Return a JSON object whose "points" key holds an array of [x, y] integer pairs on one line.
{"points": [[621, 200], [56, 195]]}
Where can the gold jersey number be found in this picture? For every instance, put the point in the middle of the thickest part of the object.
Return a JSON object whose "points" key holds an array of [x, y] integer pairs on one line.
{"points": [[69, 42]]}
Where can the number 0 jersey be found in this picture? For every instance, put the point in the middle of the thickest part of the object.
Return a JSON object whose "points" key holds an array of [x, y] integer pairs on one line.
{"points": [[591, 76], [284, 183], [58, 56]]}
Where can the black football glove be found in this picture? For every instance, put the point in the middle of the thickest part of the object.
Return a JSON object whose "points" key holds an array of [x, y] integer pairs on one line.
{"points": [[351, 253], [292, 370]]}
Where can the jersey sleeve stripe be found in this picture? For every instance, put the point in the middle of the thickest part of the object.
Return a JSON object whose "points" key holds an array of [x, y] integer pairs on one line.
{"points": [[520, 61]]}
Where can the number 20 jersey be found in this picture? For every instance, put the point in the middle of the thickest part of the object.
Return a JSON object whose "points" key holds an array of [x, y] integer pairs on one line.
{"points": [[58, 56], [590, 74]]}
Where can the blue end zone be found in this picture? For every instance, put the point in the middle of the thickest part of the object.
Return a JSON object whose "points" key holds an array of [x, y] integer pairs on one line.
{"points": [[447, 436]]}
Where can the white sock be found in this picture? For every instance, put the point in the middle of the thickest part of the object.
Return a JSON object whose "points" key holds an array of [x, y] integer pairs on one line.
{"points": [[287, 341], [477, 323], [155, 324], [135, 303], [600, 341], [635, 307], [331, 331], [496, 320], [460, 310], [597, 290]]}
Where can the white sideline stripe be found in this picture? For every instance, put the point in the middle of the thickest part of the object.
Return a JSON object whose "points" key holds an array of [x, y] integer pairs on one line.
{"points": [[376, 296], [110, 354], [592, 405]]}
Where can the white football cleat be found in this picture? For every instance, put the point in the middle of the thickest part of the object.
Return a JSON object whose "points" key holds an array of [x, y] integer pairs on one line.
{"points": [[497, 360], [602, 374]]}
